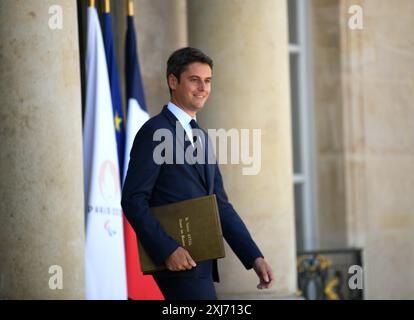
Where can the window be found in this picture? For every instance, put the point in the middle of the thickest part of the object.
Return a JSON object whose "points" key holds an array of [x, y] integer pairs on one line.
{"points": [[302, 124]]}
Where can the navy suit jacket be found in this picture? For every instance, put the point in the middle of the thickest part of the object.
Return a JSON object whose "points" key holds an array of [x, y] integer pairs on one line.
{"points": [[149, 184]]}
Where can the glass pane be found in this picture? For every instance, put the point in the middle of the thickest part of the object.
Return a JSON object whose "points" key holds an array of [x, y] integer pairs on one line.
{"points": [[298, 190], [294, 97], [292, 17]]}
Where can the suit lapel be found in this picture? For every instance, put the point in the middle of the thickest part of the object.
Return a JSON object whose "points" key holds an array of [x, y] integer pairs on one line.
{"points": [[183, 143]]}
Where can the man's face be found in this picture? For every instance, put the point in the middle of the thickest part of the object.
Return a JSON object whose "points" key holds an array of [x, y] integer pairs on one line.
{"points": [[192, 91]]}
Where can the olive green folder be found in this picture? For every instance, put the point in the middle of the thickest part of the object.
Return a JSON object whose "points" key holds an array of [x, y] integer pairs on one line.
{"points": [[194, 224]]}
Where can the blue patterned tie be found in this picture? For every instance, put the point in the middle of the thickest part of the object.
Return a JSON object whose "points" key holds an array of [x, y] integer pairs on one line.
{"points": [[194, 125], [196, 135]]}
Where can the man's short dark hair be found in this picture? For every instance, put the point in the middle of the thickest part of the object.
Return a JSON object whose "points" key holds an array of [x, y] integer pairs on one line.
{"points": [[179, 60]]}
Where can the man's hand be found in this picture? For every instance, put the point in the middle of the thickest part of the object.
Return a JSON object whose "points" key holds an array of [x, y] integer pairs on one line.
{"points": [[180, 260], [264, 272]]}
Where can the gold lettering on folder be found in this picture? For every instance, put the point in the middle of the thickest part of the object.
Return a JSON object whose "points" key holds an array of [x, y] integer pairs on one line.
{"points": [[194, 224]]}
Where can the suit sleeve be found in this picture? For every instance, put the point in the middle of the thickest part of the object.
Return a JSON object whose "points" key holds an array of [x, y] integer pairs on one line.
{"points": [[234, 229], [139, 183]]}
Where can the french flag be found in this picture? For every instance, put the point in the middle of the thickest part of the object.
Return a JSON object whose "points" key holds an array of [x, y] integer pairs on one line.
{"points": [[140, 286]]}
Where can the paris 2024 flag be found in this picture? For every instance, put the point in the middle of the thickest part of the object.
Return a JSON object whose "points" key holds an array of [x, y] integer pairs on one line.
{"points": [[104, 248]]}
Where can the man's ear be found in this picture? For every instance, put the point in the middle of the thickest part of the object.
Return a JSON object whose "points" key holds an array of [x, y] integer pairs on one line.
{"points": [[172, 81]]}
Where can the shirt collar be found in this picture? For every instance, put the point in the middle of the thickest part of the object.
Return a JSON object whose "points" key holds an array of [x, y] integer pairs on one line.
{"points": [[180, 114]]}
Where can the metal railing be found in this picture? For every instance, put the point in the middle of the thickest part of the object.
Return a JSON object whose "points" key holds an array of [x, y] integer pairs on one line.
{"points": [[327, 274]]}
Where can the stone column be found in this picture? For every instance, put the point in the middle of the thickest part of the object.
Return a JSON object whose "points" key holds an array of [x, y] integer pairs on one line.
{"points": [[249, 45], [378, 86], [41, 185], [330, 151]]}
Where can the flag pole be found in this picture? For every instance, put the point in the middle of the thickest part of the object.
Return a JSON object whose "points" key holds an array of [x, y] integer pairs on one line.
{"points": [[107, 6], [130, 8], [91, 3]]}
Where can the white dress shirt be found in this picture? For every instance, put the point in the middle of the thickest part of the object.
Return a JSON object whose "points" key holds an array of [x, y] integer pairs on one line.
{"points": [[184, 119]]}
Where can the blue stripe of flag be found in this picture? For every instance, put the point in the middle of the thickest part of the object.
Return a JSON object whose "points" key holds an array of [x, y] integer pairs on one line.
{"points": [[115, 91], [132, 69]]}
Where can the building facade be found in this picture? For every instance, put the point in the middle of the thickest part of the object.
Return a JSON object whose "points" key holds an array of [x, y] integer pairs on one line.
{"points": [[332, 101]]}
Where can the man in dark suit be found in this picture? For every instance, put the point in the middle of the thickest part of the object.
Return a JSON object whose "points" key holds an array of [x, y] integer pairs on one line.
{"points": [[149, 183]]}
